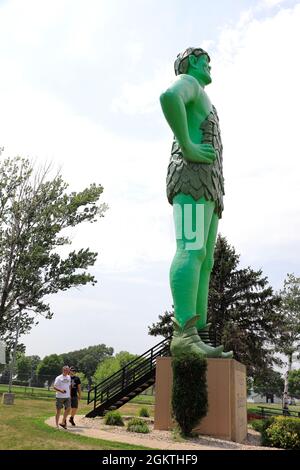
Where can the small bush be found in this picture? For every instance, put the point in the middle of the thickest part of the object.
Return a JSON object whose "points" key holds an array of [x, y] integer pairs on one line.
{"points": [[284, 433], [144, 412], [261, 426], [138, 425], [189, 393], [113, 418]]}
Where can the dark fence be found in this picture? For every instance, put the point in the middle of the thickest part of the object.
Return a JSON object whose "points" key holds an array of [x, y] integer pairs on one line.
{"points": [[267, 412]]}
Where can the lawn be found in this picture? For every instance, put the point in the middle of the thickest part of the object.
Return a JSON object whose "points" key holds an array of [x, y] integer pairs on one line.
{"points": [[22, 427], [254, 407]]}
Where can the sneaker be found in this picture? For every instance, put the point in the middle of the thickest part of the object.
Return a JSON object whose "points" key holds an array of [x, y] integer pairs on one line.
{"points": [[63, 425], [71, 420]]}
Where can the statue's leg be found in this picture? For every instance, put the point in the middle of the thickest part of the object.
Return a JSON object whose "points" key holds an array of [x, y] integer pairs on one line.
{"points": [[185, 274], [206, 268], [186, 265]]}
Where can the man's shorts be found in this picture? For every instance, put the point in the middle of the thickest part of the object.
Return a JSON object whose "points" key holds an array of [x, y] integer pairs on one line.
{"points": [[63, 402], [74, 402]]}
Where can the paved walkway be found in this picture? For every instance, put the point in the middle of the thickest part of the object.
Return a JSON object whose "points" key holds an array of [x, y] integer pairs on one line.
{"points": [[159, 439]]}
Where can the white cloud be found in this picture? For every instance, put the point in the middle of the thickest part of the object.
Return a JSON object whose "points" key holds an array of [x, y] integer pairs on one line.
{"points": [[143, 98], [256, 90], [272, 3]]}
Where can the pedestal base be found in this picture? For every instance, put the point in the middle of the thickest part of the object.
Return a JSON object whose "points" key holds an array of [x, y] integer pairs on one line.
{"points": [[8, 398], [227, 399]]}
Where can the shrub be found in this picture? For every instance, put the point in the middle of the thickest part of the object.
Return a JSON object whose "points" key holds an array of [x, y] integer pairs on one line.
{"points": [[113, 418], [138, 425], [144, 412], [189, 394], [284, 433], [261, 426]]}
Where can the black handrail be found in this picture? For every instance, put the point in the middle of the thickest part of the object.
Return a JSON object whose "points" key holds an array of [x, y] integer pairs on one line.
{"points": [[130, 373]]}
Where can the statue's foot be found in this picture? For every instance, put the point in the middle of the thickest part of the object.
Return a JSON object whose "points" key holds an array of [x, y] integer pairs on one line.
{"points": [[186, 339], [225, 355]]}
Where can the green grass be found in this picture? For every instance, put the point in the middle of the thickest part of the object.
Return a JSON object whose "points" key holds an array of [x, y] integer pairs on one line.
{"points": [[254, 407], [22, 427], [144, 399]]}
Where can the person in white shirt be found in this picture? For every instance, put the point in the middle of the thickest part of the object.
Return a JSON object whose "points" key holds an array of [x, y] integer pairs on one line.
{"points": [[62, 386]]}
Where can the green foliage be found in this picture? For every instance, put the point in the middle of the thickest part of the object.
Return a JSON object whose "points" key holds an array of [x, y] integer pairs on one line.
{"points": [[124, 357], [51, 367], [189, 394], [83, 380], [86, 360], [138, 425], [106, 368], [112, 364], [269, 382], [23, 366], [280, 431], [113, 418], [164, 326], [294, 383], [35, 212], [261, 425], [284, 433], [289, 341], [243, 310], [144, 412]]}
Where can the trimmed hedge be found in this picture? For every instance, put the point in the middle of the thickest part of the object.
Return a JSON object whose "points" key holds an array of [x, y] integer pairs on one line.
{"points": [[189, 394], [113, 418], [138, 425], [280, 431]]}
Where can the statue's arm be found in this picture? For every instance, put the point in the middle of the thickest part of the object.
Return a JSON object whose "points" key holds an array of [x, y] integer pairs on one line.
{"points": [[173, 102]]}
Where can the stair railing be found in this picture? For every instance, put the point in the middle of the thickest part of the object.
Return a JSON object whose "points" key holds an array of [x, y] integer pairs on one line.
{"points": [[129, 374]]}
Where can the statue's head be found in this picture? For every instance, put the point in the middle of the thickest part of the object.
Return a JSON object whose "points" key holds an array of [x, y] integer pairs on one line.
{"points": [[194, 61]]}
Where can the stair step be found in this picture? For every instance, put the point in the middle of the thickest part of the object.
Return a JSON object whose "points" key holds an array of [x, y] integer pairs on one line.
{"points": [[132, 394], [112, 408]]}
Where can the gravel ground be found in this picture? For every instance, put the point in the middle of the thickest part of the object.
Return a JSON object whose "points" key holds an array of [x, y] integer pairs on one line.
{"points": [[159, 439]]}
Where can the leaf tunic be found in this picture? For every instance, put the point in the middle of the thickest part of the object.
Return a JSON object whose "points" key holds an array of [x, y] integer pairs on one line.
{"points": [[199, 179]]}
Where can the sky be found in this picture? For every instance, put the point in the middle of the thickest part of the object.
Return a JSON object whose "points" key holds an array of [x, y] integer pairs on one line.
{"points": [[79, 86]]}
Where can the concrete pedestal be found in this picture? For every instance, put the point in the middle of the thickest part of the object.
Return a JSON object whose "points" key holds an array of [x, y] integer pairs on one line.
{"points": [[8, 398], [227, 399]]}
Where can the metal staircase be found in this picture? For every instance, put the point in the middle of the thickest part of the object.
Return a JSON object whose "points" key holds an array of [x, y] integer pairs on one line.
{"points": [[128, 382]]}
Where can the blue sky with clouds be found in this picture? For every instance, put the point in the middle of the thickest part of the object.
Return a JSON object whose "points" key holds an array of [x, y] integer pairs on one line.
{"points": [[79, 85]]}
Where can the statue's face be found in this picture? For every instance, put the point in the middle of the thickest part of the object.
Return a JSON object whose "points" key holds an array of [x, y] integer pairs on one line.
{"points": [[203, 69]]}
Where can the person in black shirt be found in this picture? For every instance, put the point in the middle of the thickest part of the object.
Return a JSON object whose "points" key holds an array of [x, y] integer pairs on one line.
{"points": [[75, 393]]}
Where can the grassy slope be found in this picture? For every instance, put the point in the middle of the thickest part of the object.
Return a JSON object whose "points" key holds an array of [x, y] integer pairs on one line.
{"points": [[22, 427]]}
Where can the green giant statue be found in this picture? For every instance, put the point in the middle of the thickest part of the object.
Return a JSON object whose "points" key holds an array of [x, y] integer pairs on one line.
{"points": [[195, 187]]}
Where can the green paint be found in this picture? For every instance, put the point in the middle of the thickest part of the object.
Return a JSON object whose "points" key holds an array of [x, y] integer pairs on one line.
{"points": [[195, 184]]}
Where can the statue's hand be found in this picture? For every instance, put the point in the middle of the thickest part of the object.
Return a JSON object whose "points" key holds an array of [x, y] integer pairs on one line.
{"points": [[199, 153]]}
